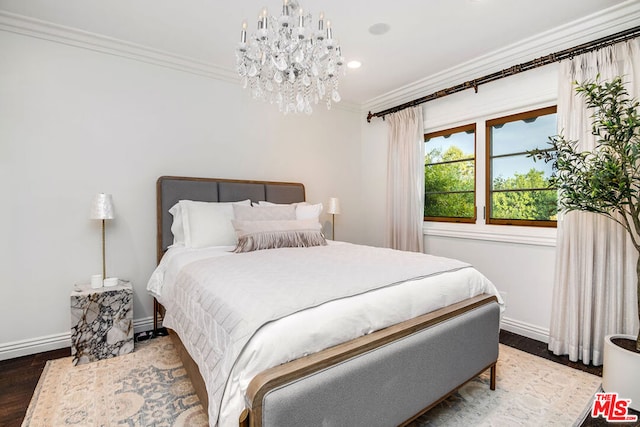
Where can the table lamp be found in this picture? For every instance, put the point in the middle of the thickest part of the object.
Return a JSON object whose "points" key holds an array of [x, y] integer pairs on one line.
{"points": [[333, 209], [102, 209]]}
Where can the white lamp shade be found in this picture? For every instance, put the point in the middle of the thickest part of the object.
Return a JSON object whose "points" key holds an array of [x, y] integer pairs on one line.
{"points": [[102, 207], [334, 206]]}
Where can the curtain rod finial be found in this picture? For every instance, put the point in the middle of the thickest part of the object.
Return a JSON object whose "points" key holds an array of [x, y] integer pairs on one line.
{"points": [[369, 116]]}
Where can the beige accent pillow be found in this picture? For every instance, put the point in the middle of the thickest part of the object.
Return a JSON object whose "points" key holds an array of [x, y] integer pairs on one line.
{"points": [[304, 210], [266, 213], [308, 211], [266, 234]]}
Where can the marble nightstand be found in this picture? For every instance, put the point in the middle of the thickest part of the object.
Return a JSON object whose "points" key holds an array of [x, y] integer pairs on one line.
{"points": [[101, 322]]}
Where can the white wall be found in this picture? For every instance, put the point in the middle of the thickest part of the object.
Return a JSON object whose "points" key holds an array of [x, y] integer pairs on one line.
{"points": [[374, 179], [519, 260], [75, 122]]}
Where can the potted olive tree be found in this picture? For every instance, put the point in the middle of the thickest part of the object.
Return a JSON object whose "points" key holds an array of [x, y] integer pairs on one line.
{"points": [[606, 181]]}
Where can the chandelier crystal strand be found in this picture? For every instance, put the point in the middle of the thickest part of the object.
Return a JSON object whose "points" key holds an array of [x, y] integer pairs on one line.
{"points": [[290, 61]]}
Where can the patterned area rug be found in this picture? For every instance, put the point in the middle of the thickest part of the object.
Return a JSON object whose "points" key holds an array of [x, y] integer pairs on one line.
{"points": [[150, 387], [530, 391]]}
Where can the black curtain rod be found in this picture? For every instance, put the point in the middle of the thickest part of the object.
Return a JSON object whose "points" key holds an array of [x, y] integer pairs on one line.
{"points": [[539, 62]]}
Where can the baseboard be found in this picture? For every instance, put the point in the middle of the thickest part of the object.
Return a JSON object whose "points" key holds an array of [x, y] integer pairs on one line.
{"points": [[34, 345], [52, 342], [525, 329], [14, 349]]}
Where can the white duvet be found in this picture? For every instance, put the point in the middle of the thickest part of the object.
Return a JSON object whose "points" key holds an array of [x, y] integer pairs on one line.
{"points": [[239, 314]]}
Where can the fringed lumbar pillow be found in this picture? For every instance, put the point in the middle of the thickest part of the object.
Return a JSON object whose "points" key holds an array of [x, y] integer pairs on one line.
{"points": [[255, 235]]}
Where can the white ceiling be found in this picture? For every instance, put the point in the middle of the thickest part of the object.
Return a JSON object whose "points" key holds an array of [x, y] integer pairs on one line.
{"points": [[426, 36]]}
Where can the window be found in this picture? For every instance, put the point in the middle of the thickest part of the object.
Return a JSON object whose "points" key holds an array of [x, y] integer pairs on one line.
{"points": [[518, 190], [450, 175]]}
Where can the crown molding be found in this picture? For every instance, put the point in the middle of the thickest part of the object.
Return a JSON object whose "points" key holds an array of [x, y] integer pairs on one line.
{"points": [[618, 18], [44, 30], [623, 16]]}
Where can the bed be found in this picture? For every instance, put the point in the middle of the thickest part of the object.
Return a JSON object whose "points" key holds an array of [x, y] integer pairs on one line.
{"points": [[388, 337]]}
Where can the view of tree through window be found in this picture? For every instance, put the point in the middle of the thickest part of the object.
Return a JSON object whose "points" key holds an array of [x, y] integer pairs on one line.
{"points": [[518, 187], [450, 175]]}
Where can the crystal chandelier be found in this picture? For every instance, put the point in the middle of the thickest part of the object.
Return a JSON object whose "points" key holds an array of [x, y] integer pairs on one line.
{"points": [[290, 61]]}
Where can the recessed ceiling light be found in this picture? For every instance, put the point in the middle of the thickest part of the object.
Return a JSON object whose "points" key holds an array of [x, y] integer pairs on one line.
{"points": [[379, 28], [354, 64]]}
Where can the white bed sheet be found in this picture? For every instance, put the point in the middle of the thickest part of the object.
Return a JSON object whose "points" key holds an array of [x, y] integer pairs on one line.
{"points": [[323, 326]]}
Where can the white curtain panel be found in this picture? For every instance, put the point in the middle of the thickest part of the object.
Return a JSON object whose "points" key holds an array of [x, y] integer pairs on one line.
{"points": [[595, 273], [405, 180]]}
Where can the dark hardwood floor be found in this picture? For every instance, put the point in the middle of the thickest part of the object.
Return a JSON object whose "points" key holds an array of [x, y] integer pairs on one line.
{"points": [[539, 348], [19, 377]]}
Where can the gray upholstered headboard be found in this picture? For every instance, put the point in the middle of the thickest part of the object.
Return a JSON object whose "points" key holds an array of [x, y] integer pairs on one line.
{"points": [[171, 189]]}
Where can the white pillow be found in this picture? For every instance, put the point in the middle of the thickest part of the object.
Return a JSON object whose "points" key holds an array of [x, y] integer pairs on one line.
{"points": [[177, 229], [205, 223]]}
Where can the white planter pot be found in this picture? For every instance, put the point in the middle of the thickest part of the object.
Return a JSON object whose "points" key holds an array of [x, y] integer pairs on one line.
{"points": [[621, 371]]}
